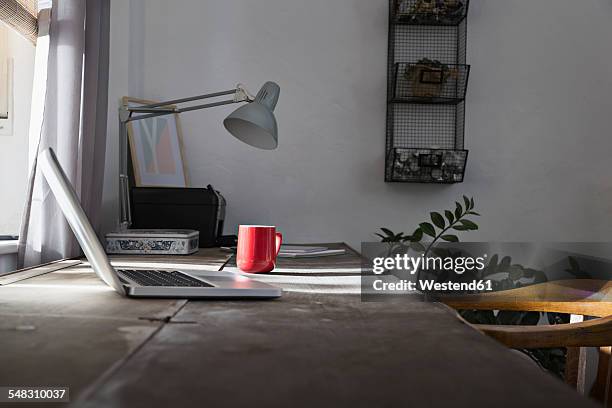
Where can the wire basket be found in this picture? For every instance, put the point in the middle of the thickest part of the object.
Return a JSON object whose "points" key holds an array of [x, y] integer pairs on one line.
{"points": [[429, 81], [425, 126], [430, 12], [427, 165]]}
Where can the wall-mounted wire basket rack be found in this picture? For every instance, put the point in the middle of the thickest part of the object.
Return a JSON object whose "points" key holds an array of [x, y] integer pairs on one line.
{"points": [[426, 85]]}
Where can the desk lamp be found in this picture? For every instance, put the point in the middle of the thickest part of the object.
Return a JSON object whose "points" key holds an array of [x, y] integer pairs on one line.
{"points": [[253, 123]]}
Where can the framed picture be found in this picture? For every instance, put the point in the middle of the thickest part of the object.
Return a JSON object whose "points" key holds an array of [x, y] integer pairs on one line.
{"points": [[156, 147]]}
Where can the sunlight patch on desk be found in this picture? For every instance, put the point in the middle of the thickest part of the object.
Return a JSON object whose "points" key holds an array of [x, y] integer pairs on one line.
{"points": [[311, 284]]}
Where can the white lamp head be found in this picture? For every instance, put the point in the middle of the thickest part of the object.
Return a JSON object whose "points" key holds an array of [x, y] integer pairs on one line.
{"points": [[254, 123]]}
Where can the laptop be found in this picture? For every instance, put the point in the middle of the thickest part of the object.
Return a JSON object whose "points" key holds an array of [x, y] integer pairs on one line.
{"points": [[138, 282]]}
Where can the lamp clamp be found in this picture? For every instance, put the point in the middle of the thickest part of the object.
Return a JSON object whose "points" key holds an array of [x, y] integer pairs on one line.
{"points": [[242, 94]]}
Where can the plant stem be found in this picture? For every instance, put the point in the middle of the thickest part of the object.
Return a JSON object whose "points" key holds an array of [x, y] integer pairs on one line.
{"points": [[440, 234], [437, 237]]}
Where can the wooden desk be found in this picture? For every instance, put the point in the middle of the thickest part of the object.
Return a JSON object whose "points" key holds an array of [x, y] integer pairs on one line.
{"points": [[318, 345]]}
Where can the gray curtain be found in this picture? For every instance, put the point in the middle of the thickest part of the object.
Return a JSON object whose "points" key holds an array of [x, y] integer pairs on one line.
{"points": [[74, 125]]}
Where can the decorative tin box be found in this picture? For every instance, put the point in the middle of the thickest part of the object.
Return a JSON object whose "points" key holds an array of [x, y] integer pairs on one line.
{"points": [[153, 242]]}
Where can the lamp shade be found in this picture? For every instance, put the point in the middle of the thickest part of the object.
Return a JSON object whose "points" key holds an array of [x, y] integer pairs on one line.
{"points": [[254, 123]]}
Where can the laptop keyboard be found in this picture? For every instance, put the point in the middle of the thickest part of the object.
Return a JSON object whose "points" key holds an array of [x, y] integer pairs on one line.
{"points": [[162, 278]]}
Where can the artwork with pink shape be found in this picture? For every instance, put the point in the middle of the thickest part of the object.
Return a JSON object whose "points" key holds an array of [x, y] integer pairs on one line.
{"points": [[156, 152]]}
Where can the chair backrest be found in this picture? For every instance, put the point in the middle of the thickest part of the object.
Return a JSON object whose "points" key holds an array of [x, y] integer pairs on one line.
{"points": [[587, 297]]}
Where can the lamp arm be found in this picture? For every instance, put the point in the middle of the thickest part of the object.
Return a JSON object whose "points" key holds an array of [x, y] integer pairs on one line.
{"points": [[241, 94], [139, 109], [124, 187]]}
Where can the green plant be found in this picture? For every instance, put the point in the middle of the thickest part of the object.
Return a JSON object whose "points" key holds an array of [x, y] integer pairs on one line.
{"points": [[436, 230]]}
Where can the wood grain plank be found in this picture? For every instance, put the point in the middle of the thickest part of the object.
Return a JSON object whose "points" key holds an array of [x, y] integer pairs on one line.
{"points": [[77, 292], [63, 350], [307, 350], [66, 327]]}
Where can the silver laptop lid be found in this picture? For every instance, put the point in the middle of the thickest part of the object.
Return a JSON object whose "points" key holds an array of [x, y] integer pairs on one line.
{"points": [[71, 207]]}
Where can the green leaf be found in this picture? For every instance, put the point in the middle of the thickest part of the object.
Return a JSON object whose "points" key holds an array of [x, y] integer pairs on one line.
{"points": [[573, 263], [461, 228], [417, 235], [437, 219], [491, 267], [515, 272], [466, 201], [469, 224], [428, 229], [471, 203], [449, 216], [479, 316], [575, 269], [380, 235], [558, 318], [530, 319], [388, 232], [450, 238], [458, 210], [417, 246], [540, 277], [473, 213], [529, 272], [504, 264], [507, 317], [493, 261]]}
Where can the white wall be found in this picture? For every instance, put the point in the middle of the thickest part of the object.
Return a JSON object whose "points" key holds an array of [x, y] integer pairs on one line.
{"points": [[14, 148], [538, 110]]}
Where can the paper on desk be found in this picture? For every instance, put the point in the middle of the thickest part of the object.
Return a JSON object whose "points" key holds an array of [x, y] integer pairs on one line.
{"points": [[311, 284], [301, 271], [301, 249], [313, 254]]}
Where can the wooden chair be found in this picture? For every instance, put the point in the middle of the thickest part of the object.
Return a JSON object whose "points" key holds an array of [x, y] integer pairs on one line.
{"points": [[584, 297]]}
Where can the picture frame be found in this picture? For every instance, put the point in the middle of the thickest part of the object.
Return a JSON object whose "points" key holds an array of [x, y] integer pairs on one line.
{"points": [[156, 149]]}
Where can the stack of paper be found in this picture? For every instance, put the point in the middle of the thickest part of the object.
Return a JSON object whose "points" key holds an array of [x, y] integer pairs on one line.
{"points": [[298, 251]]}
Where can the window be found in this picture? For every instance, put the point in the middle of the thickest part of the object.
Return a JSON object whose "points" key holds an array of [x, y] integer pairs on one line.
{"points": [[17, 54], [5, 78]]}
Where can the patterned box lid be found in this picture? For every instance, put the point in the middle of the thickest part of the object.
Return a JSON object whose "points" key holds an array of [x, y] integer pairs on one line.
{"points": [[154, 233]]}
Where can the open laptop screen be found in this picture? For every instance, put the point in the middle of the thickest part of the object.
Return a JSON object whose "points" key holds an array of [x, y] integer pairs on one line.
{"points": [[77, 219]]}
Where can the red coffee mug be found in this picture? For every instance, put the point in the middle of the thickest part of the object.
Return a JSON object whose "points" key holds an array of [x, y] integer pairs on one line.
{"points": [[258, 246]]}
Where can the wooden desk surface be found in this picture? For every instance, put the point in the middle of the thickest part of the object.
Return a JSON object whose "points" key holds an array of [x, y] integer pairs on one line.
{"points": [[312, 347]]}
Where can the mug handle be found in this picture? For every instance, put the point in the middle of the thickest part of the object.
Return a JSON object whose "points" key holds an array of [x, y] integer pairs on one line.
{"points": [[279, 241]]}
